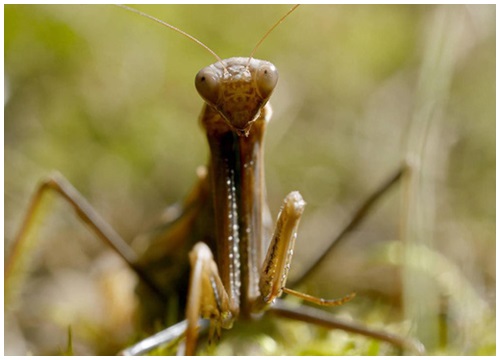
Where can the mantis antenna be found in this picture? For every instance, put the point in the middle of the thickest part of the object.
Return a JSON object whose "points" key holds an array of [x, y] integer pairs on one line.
{"points": [[192, 38], [270, 30]]}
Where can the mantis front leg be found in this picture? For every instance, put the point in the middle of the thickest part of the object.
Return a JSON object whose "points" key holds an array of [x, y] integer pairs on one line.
{"points": [[275, 269], [274, 273], [207, 297]]}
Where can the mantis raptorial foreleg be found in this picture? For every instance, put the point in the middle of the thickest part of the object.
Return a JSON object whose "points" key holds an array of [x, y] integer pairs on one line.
{"points": [[207, 297], [274, 273]]}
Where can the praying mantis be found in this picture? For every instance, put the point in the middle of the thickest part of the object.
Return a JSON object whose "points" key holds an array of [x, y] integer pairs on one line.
{"points": [[182, 156]]}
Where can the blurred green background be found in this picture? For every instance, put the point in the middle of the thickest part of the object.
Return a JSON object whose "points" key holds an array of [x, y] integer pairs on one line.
{"points": [[107, 98]]}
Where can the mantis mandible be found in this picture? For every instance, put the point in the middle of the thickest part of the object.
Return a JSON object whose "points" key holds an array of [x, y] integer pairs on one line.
{"points": [[231, 195]]}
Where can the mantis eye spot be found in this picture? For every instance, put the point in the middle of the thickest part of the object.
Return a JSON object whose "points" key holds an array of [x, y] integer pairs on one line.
{"points": [[207, 84], [266, 80]]}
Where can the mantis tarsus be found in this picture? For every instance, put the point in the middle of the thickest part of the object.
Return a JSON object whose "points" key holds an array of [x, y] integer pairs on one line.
{"points": [[259, 208]]}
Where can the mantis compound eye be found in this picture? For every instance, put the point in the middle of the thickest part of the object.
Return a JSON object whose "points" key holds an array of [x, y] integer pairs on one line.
{"points": [[266, 80], [207, 84]]}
